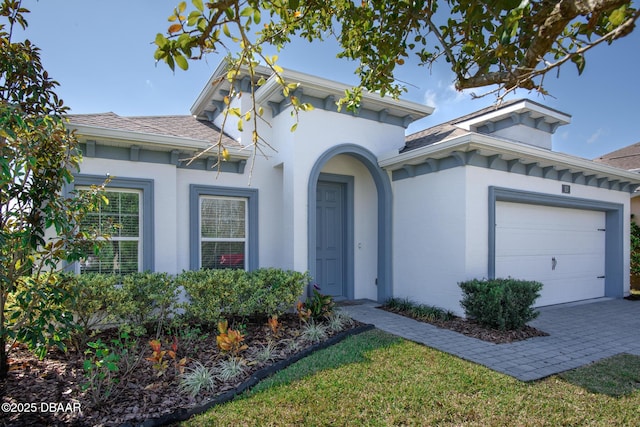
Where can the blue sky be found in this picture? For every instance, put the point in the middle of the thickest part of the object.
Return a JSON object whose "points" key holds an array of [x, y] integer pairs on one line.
{"points": [[101, 53]]}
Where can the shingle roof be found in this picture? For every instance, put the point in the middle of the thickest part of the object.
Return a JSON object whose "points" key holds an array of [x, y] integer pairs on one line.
{"points": [[432, 135], [625, 158], [177, 126], [449, 129]]}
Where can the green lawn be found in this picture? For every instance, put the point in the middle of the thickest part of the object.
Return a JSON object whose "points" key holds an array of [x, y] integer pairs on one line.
{"points": [[375, 379]]}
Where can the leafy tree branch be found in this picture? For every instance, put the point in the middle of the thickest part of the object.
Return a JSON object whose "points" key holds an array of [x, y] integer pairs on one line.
{"points": [[507, 44]]}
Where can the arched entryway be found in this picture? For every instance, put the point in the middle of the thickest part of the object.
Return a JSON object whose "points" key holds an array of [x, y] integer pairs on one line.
{"points": [[336, 184]]}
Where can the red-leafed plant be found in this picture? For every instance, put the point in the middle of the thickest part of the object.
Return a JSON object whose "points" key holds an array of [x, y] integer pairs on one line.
{"points": [[274, 325], [160, 364], [230, 340], [157, 357]]}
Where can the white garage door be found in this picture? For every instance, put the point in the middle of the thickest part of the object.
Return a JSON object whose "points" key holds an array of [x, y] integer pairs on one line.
{"points": [[562, 248]]}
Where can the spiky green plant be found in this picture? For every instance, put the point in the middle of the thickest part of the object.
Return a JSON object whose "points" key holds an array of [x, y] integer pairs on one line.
{"points": [[314, 332], [197, 379], [231, 368]]}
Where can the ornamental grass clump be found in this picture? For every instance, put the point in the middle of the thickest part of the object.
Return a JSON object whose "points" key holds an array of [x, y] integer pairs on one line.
{"points": [[197, 379], [504, 304]]}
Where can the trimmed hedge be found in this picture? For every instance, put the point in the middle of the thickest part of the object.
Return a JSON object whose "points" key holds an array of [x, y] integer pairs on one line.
{"points": [[216, 294], [504, 304], [95, 294], [139, 301], [146, 300]]}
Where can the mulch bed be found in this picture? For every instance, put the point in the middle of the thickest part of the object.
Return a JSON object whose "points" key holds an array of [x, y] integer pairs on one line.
{"points": [[49, 392], [475, 330]]}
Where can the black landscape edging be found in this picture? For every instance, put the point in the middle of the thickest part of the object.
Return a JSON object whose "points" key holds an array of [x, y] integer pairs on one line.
{"points": [[259, 375]]}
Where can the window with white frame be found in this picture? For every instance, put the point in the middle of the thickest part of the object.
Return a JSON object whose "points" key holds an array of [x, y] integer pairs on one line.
{"points": [[223, 232], [121, 218]]}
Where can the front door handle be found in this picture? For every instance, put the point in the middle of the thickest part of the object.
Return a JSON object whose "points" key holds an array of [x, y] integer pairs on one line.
{"points": [[554, 262]]}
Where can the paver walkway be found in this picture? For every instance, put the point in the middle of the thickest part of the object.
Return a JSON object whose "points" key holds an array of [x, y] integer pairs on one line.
{"points": [[579, 334]]}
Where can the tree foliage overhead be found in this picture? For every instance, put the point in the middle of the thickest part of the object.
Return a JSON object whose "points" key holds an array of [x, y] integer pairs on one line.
{"points": [[505, 44]]}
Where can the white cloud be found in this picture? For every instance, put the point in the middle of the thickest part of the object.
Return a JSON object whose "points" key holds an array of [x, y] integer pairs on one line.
{"points": [[431, 98], [595, 136]]}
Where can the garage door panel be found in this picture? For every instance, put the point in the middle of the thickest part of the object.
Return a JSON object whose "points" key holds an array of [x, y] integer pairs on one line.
{"points": [[558, 291], [520, 214], [511, 241], [530, 237], [577, 265]]}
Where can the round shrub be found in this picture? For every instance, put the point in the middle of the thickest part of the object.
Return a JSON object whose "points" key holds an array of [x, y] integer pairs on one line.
{"points": [[504, 304]]}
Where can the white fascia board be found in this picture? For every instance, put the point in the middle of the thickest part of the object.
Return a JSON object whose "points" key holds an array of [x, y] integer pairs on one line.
{"points": [[272, 90], [553, 116], [207, 93], [151, 140], [217, 80], [489, 145]]}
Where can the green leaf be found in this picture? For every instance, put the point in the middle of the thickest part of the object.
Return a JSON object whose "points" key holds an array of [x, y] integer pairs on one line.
{"points": [[247, 11], [161, 41], [618, 16], [198, 5], [182, 62], [193, 18], [170, 62], [580, 62], [294, 127]]}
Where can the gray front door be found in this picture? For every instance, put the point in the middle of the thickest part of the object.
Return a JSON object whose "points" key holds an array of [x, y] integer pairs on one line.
{"points": [[330, 238]]}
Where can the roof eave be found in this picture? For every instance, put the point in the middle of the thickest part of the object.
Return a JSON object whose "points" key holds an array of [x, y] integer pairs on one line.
{"points": [[272, 91], [154, 140], [509, 150], [535, 109], [216, 82]]}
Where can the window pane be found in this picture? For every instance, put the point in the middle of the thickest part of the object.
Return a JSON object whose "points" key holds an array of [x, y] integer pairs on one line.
{"points": [[119, 218], [223, 218], [112, 206], [222, 254], [129, 203], [128, 256], [129, 226], [113, 257]]}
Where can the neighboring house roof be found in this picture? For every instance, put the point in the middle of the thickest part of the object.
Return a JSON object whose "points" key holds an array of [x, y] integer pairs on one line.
{"points": [[183, 126], [625, 158]]}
